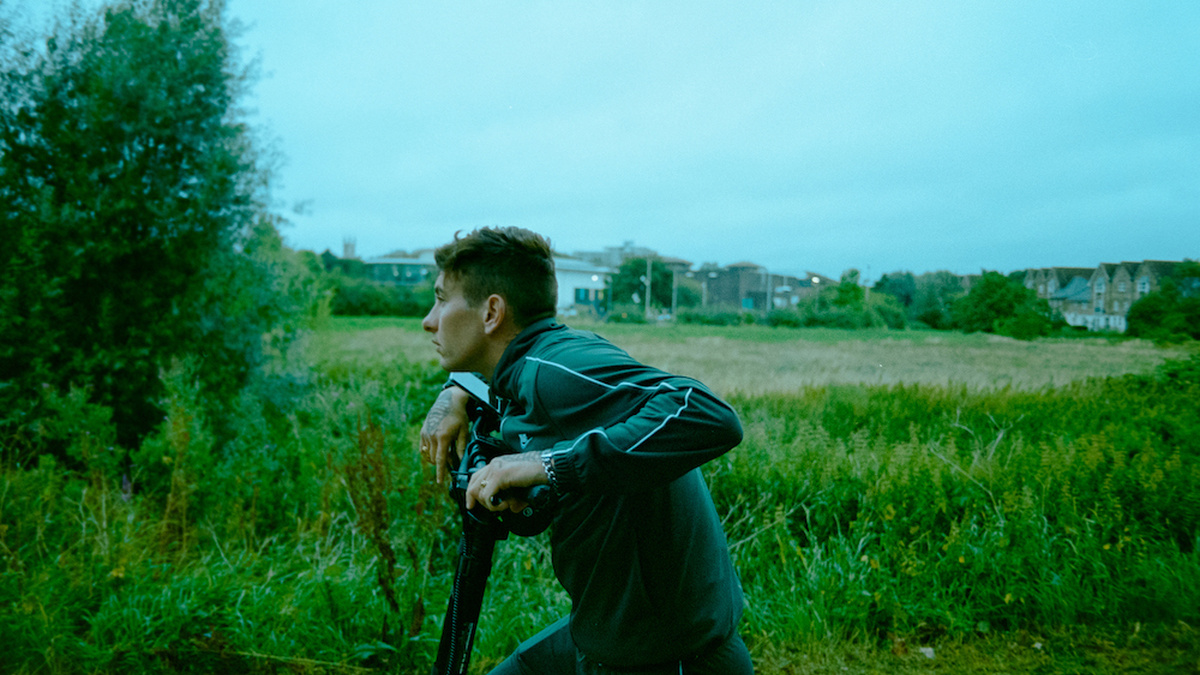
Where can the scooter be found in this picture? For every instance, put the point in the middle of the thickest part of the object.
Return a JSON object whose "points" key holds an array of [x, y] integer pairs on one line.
{"points": [[481, 529]]}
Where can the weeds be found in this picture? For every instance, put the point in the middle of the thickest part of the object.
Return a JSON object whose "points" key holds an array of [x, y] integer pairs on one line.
{"points": [[887, 519]]}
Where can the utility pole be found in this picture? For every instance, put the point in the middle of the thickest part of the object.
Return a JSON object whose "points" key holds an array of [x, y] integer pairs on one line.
{"points": [[674, 294], [648, 284]]}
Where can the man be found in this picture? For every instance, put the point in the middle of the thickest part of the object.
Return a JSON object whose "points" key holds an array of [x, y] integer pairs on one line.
{"points": [[635, 540]]}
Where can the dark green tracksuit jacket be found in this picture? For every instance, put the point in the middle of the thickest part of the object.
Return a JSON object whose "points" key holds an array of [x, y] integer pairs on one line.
{"points": [[636, 541]]}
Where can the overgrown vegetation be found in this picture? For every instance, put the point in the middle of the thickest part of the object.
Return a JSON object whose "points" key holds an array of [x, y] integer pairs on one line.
{"points": [[132, 210], [888, 518], [1172, 313]]}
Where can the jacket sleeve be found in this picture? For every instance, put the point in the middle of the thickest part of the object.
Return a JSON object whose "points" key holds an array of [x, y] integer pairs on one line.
{"points": [[628, 427]]}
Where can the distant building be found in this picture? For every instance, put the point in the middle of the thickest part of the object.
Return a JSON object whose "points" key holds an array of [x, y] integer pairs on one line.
{"points": [[1098, 298], [749, 286], [612, 256], [401, 267], [582, 286]]}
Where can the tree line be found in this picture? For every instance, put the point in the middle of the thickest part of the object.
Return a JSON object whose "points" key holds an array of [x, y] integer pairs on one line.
{"points": [[991, 303]]}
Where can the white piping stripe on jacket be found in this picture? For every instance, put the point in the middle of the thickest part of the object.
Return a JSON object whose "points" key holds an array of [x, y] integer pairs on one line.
{"points": [[686, 399]]}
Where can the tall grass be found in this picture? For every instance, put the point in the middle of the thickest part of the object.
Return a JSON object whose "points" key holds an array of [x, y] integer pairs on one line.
{"points": [[312, 540], [927, 511]]}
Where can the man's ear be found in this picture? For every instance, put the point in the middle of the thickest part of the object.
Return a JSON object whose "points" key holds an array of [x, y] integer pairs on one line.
{"points": [[495, 314]]}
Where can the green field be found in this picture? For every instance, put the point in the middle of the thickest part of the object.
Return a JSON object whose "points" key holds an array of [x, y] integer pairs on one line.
{"points": [[760, 359], [902, 502]]}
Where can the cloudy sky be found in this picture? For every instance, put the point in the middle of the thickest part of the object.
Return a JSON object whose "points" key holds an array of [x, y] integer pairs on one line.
{"points": [[800, 135]]}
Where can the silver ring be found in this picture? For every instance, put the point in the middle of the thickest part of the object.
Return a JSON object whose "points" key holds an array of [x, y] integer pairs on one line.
{"points": [[483, 483]]}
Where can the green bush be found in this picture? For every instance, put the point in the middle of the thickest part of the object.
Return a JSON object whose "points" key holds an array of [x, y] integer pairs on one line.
{"points": [[363, 297], [1172, 313], [626, 314], [784, 318], [133, 211], [998, 304]]}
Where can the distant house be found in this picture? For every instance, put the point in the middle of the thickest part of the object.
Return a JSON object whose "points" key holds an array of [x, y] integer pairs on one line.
{"points": [[1098, 298], [582, 286], [401, 267], [1149, 275]]}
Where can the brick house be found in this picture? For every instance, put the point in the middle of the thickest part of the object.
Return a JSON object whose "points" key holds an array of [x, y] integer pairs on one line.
{"points": [[1098, 298]]}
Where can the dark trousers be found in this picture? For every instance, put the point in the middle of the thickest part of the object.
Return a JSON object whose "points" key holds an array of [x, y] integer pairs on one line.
{"points": [[552, 652]]}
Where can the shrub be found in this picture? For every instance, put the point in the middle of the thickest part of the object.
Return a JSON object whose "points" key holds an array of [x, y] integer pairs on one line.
{"points": [[132, 207], [626, 314], [786, 318], [363, 297]]}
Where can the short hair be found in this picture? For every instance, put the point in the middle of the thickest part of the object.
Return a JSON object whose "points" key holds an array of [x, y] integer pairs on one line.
{"points": [[511, 262]]}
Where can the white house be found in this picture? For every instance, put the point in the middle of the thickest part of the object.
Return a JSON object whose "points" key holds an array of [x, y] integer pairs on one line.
{"points": [[581, 285]]}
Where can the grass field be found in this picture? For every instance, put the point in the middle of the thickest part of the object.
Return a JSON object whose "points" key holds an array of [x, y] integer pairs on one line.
{"points": [[760, 359], [903, 502]]}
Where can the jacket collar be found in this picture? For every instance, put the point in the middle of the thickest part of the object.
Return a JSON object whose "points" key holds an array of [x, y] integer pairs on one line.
{"points": [[504, 376]]}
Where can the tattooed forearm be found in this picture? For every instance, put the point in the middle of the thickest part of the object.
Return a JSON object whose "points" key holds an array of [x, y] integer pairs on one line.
{"points": [[439, 410], [521, 457]]}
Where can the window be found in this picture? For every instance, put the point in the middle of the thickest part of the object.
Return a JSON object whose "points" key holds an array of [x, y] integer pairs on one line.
{"points": [[581, 296], [1143, 285], [1100, 286], [1121, 287]]}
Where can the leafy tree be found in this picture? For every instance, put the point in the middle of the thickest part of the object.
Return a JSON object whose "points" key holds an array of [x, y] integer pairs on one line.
{"points": [[1172, 313], [889, 310], [998, 304], [629, 283], [848, 294], [900, 285], [132, 211], [934, 297]]}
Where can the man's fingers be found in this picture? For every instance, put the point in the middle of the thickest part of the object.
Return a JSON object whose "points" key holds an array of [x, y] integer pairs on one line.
{"points": [[462, 441], [440, 458]]}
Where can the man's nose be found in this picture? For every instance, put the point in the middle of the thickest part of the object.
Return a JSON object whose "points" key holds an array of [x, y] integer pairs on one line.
{"points": [[429, 323]]}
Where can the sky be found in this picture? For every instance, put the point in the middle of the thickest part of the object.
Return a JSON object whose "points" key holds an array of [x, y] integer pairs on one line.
{"points": [[802, 136]]}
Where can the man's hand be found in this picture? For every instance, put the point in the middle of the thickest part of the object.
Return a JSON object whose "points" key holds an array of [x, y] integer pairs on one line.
{"points": [[446, 428], [506, 472]]}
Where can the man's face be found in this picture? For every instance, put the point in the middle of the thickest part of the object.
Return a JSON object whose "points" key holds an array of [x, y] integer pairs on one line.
{"points": [[457, 328]]}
